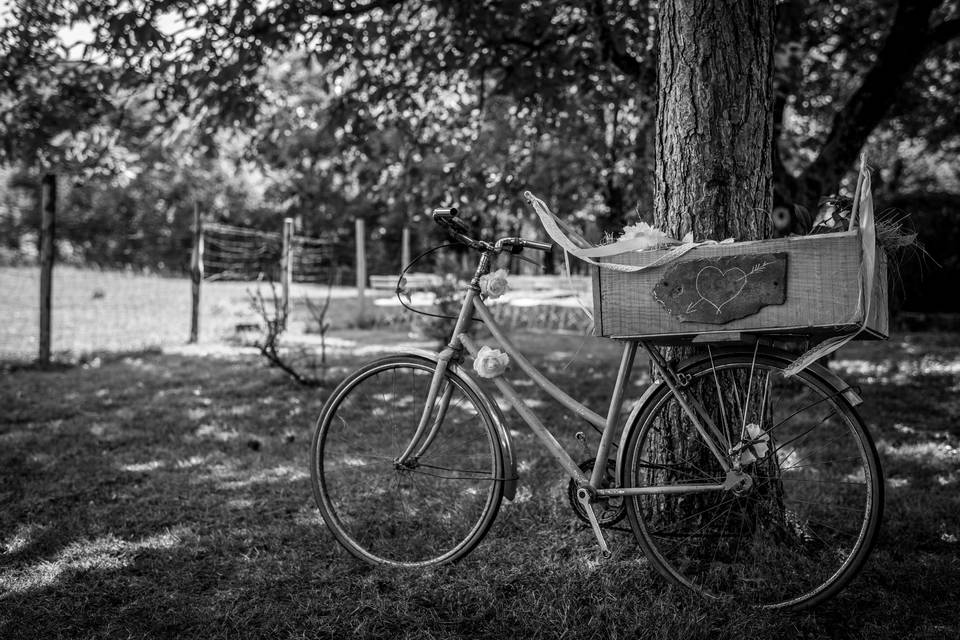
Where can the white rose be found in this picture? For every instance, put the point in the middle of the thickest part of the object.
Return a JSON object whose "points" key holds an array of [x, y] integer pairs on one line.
{"points": [[490, 363], [645, 236], [494, 285], [758, 450]]}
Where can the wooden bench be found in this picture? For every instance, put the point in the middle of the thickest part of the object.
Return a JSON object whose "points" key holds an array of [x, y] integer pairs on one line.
{"points": [[580, 284], [414, 281]]}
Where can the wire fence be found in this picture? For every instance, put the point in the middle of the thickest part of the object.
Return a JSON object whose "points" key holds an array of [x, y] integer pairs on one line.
{"points": [[95, 310], [91, 310], [240, 253], [237, 253]]}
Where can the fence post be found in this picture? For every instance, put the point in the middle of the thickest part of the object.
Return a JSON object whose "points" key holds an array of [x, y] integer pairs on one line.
{"points": [[286, 272], [404, 247], [361, 266], [48, 214], [196, 273]]}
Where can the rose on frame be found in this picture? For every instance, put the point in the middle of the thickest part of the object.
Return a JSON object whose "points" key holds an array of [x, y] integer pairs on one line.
{"points": [[494, 285], [490, 363], [758, 450]]}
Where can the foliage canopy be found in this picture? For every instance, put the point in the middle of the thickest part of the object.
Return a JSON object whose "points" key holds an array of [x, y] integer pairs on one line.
{"points": [[382, 109]]}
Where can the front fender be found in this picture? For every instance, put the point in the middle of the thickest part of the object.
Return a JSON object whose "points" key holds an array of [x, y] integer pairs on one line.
{"points": [[503, 434]]}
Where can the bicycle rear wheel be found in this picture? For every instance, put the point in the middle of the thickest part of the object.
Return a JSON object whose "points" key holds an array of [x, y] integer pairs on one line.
{"points": [[435, 508], [803, 525]]}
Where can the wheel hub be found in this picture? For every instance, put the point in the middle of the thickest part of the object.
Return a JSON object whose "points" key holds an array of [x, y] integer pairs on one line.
{"points": [[409, 465], [738, 482]]}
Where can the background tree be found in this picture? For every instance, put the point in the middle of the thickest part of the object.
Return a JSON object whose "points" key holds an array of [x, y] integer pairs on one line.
{"points": [[425, 101]]}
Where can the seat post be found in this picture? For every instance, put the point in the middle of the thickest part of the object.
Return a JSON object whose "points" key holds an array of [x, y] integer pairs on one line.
{"points": [[613, 414]]}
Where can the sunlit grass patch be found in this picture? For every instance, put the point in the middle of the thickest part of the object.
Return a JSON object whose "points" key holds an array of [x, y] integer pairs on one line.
{"points": [[104, 553], [120, 519]]}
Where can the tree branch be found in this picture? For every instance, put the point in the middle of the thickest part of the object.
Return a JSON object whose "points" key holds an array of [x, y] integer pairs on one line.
{"points": [[907, 44], [945, 31], [625, 62]]}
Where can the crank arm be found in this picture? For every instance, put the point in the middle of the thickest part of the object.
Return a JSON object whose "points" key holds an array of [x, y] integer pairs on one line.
{"points": [[583, 496]]}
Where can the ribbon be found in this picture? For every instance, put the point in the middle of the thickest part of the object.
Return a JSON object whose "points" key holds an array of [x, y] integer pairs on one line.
{"points": [[587, 252]]}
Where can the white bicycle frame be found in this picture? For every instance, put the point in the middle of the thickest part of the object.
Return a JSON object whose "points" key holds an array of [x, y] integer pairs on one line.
{"points": [[590, 489]]}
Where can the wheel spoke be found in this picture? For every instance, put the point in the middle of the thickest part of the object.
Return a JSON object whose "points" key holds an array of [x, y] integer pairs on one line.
{"points": [[788, 537]]}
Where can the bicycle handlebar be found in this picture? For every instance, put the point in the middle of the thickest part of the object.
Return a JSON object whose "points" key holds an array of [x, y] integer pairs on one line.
{"points": [[521, 244], [447, 217]]}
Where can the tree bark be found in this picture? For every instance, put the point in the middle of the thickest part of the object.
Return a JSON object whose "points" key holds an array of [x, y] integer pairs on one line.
{"points": [[714, 174], [714, 119]]}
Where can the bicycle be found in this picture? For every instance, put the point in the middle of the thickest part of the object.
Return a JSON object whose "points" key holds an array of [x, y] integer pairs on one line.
{"points": [[736, 481]]}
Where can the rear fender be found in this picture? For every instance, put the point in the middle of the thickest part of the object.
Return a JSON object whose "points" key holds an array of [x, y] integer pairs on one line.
{"points": [[629, 425], [785, 358]]}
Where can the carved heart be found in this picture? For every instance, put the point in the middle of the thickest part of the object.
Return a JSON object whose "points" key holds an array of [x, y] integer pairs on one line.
{"points": [[720, 287]]}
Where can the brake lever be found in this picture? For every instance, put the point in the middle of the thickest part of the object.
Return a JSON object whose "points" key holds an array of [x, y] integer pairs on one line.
{"points": [[458, 225]]}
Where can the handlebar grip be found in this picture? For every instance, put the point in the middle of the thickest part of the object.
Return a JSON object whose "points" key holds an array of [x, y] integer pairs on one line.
{"points": [[539, 246], [448, 218]]}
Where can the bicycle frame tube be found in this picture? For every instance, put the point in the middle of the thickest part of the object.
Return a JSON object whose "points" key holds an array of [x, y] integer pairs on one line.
{"points": [[710, 434], [553, 390], [473, 303], [608, 424], [613, 413], [531, 419], [651, 490]]}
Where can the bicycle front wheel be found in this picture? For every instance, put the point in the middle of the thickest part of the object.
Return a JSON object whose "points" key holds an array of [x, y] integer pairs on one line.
{"points": [[802, 524], [435, 507]]}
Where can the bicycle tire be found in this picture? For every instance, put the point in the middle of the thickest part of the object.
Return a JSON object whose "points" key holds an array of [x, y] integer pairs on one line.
{"points": [[807, 524], [434, 512]]}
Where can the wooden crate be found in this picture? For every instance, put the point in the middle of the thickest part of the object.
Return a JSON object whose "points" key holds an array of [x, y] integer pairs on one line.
{"points": [[821, 296]]}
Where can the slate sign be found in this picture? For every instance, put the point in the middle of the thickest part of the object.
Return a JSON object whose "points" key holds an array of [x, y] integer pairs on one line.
{"points": [[718, 290]]}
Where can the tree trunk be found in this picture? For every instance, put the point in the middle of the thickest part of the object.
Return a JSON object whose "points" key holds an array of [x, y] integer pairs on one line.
{"points": [[713, 163], [714, 119]]}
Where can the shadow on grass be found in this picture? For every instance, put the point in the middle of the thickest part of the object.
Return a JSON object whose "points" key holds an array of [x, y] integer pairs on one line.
{"points": [[161, 495]]}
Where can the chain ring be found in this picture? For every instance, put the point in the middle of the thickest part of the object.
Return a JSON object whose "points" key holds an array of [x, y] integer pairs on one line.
{"points": [[612, 510]]}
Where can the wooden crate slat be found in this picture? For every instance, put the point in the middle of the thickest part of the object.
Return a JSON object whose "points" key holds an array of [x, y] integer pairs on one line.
{"points": [[823, 276]]}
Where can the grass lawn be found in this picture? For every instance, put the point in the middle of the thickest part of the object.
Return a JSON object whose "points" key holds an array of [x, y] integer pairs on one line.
{"points": [[167, 495], [115, 310]]}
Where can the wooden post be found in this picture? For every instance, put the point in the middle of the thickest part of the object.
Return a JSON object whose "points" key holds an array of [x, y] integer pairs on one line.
{"points": [[48, 215], [196, 273], [361, 266], [286, 271], [404, 247]]}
